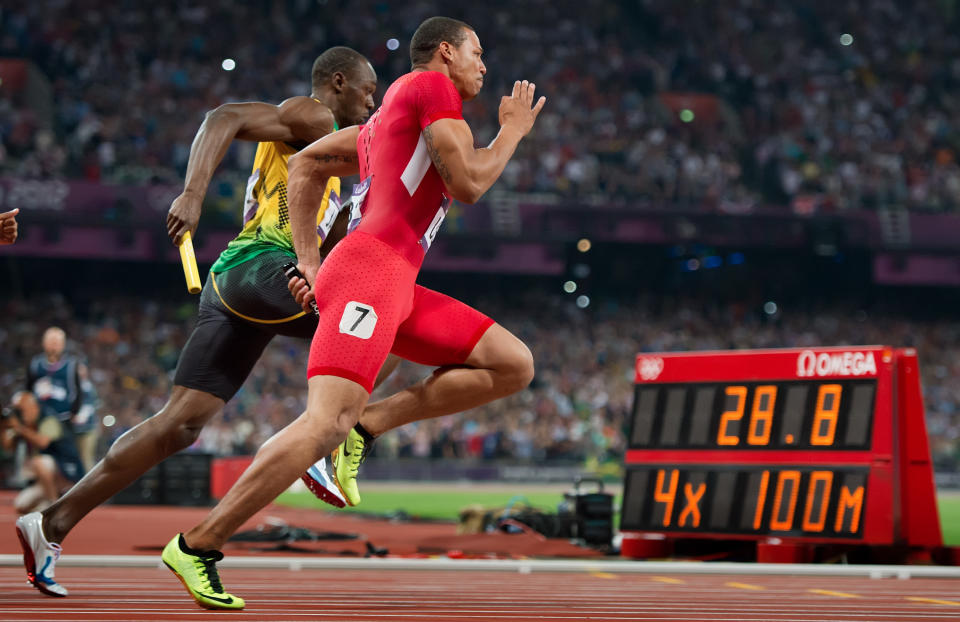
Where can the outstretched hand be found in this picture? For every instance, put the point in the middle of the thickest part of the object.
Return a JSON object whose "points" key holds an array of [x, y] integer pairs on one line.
{"points": [[517, 110], [8, 226]]}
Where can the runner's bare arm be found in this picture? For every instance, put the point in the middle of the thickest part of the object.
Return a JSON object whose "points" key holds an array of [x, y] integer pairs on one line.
{"points": [[299, 287], [469, 172], [309, 170], [298, 120]]}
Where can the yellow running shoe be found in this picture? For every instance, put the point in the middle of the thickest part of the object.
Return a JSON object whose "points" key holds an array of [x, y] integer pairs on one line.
{"points": [[198, 573], [347, 459]]}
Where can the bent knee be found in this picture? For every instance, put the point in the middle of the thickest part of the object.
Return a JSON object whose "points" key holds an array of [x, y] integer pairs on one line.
{"points": [[337, 422], [334, 405], [182, 418], [517, 369]]}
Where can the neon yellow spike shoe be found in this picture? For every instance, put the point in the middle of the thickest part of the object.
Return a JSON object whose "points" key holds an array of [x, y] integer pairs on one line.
{"points": [[198, 573], [347, 459]]}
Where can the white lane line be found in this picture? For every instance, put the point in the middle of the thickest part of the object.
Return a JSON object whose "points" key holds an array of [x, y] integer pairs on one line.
{"points": [[524, 565]]}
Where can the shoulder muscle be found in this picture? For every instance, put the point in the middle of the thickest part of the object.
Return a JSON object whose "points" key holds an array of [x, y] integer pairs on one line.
{"points": [[307, 118]]}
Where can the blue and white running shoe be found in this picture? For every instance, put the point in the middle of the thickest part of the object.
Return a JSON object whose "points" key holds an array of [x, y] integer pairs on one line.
{"points": [[322, 486], [39, 556]]}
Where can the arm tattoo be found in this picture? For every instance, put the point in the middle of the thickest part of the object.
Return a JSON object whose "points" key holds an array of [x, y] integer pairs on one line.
{"points": [[435, 155], [338, 159]]}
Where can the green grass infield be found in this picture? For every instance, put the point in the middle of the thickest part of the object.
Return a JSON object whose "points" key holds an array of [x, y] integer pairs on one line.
{"points": [[438, 501]]}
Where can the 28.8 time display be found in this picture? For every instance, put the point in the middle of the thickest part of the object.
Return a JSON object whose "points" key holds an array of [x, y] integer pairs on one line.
{"points": [[790, 415], [824, 445]]}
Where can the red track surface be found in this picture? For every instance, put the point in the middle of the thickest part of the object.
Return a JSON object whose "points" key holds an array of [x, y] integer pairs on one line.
{"points": [[102, 593], [142, 530], [154, 594]]}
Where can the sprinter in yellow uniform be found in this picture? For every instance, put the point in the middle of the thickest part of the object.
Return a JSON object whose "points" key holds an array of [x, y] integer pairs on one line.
{"points": [[245, 301]]}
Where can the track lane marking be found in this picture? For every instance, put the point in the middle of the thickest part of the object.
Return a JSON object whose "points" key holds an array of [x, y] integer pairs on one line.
{"points": [[932, 601], [744, 586], [833, 593], [670, 580]]}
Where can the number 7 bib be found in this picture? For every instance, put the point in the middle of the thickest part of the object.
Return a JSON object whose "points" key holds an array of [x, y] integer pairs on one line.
{"points": [[358, 320]]}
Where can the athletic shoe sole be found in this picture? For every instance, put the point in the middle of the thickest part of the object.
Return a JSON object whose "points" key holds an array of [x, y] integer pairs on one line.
{"points": [[194, 596], [313, 478]]}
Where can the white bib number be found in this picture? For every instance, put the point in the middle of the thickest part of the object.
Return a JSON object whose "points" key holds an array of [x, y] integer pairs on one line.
{"points": [[427, 240], [358, 320], [359, 195], [329, 216], [250, 203]]}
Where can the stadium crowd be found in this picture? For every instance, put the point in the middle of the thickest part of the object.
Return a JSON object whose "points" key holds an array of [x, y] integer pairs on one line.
{"points": [[816, 105], [575, 410]]}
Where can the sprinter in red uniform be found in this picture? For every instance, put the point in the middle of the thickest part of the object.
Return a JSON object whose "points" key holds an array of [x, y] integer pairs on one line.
{"points": [[414, 155]]}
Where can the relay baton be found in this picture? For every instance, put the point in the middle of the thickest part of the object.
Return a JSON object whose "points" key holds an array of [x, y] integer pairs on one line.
{"points": [[189, 261], [290, 270]]}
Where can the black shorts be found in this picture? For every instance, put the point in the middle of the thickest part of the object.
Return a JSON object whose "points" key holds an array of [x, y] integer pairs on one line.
{"points": [[240, 312]]}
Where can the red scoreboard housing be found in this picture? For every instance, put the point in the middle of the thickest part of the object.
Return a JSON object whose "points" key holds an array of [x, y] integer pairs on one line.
{"points": [[800, 447]]}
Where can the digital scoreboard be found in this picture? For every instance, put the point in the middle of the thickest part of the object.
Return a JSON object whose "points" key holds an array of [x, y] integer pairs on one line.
{"points": [[815, 446]]}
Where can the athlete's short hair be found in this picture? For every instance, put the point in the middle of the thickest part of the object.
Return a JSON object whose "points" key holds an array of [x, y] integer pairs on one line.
{"points": [[431, 33], [337, 59]]}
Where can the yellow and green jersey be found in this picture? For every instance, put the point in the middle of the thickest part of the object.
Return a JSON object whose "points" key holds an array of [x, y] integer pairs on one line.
{"points": [[266, 217]]}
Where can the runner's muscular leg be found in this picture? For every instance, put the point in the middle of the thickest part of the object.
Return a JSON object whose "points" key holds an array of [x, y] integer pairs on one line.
{"points": [[388, 367], [333, 406], [499, 365], [175, 427]]}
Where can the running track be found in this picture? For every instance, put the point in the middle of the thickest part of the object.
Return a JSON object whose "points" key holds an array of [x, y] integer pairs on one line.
{"points": [[486, 591]]}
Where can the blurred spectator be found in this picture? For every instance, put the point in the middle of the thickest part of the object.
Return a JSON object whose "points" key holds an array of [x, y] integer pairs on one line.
{"points": [[576, 409], [61, 384], [86, 423], [814, 106], [49, 462]]}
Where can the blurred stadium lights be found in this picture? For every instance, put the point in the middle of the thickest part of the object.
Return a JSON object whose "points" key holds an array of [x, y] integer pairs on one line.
{"points": [[109, 421], [713, 261], [569, 287], [228, 64], [692, 264], [392, 44], [583, 301], [686, 115], [770, 307], [584, 245], [846, 39]]}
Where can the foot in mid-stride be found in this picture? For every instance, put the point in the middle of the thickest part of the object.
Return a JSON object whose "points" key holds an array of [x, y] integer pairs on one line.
{"points": [[39, 556], [347, 459], [320, 484], [197, 571]]}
